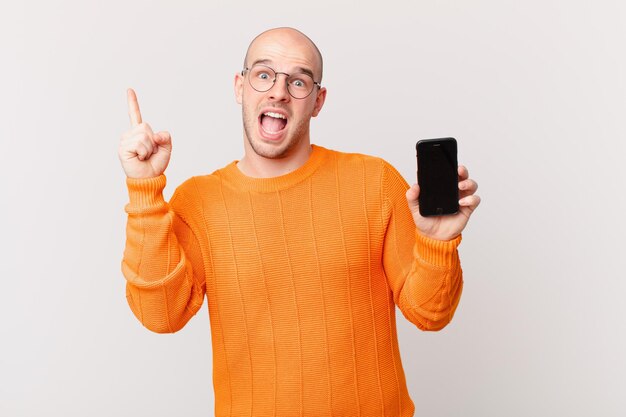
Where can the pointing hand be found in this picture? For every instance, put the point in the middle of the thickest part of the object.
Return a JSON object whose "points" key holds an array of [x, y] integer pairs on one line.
{"points": [[142, 152]]}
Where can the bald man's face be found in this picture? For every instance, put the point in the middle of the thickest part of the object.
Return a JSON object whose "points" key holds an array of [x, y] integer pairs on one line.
{"points": [[275, 123]]}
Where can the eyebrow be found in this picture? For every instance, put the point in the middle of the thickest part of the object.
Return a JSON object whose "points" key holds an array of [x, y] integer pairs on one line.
{"points": [[298, 69]]}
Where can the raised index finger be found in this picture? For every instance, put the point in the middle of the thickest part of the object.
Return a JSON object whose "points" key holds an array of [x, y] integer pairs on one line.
{"points": [[133, 108]]}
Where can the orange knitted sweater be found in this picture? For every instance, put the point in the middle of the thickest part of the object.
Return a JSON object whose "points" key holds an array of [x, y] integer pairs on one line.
{"points": [[302, 274]]}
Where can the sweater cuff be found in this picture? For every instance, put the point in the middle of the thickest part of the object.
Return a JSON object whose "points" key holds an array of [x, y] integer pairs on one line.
{"points": [[145, 194], [437, 252]]}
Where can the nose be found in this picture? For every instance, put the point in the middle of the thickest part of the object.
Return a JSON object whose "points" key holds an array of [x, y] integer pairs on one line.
{"points": [[279, 90]]}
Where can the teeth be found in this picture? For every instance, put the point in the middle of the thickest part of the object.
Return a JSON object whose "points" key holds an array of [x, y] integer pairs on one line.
{"points": [[274, 115]]}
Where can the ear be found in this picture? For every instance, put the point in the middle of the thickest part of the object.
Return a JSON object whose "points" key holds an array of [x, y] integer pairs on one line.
{"points": [[319, 101], [238, 87]]}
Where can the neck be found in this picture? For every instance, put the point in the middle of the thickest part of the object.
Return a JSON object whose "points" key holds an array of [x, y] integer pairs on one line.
{"points": [[257, 166]]}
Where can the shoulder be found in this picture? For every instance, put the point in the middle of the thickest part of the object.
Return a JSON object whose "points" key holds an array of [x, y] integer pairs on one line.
{"points": [[356, 159], [199, 186], [372, 165]]}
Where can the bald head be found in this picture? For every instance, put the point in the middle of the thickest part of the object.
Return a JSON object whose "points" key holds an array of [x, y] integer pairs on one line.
{"points": [[290, 38]]}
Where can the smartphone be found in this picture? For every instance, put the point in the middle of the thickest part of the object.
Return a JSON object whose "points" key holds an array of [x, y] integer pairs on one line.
{"points": [[437, 176]]}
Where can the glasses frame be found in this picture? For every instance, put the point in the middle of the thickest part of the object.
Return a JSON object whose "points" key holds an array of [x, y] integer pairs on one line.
{"points": [[315, 83]]}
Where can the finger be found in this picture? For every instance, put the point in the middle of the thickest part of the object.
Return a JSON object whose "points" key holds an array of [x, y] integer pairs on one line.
{"points": [[133, 108], [413, 193], [142, 152], [463, 173], [469, 186], [412, 199], [163, 139], [471, 201], [148, 143]]}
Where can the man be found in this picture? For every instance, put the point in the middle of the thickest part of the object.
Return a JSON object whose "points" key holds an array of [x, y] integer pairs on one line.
{"points": [[302, 252]]}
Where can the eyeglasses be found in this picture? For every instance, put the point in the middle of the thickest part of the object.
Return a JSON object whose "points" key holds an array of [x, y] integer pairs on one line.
{"points": [[262, 78]]}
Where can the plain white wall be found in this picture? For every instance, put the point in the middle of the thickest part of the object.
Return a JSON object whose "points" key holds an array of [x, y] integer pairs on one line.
{"points": [[534, 92]]}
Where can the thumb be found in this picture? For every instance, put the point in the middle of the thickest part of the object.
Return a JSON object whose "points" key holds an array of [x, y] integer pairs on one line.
{"points": [[163, 139], [412, 195]]}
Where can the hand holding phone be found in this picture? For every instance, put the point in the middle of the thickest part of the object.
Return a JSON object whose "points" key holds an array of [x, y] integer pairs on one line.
{"points": [[444, 188], [437, 176]]}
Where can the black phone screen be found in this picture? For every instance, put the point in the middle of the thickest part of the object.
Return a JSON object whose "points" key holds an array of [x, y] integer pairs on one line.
{"points": [[437, 176]]}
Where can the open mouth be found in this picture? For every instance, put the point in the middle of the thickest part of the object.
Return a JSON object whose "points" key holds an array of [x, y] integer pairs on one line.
{"points": [[272, 123]]}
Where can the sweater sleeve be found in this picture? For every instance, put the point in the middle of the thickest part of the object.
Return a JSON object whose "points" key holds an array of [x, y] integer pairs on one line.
{"points": [[424, 274], [162, 260]]}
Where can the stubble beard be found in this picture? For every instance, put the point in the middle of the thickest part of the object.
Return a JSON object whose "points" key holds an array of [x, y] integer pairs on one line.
{"points": [[299, 130]]}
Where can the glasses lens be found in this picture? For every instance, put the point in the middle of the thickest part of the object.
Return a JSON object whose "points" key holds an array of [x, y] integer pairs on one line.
{"points": [[262, 77], [300, 85]]}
